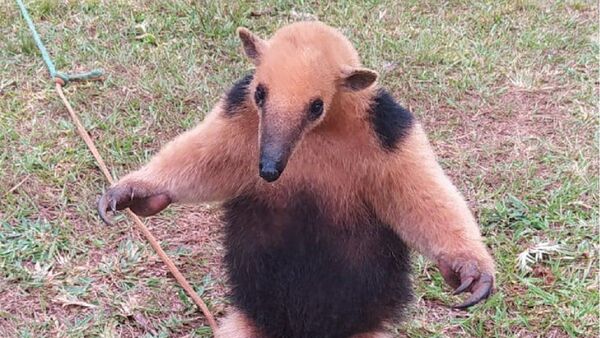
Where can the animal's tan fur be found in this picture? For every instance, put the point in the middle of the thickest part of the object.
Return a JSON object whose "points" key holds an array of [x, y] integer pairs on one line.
{"points": [[429, 212], [339, 156], [237, 325], [202, 164]]}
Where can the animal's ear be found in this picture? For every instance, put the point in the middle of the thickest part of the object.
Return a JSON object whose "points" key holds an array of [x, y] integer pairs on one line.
{"points": [[254, 46], [357, 78]]}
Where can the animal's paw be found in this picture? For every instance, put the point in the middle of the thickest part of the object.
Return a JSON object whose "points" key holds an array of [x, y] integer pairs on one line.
{"points": [[139, 197], [465, 273]]}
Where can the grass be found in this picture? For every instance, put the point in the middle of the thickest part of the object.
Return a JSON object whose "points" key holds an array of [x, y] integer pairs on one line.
{"points": [[508, 91]]}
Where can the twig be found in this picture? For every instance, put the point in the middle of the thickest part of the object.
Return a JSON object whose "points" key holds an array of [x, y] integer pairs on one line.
{"points": [[11, 190], [6, 85], [151, 239], [65, 301]]}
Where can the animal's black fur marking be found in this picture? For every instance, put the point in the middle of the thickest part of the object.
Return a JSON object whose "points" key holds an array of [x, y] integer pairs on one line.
{"points": [[390, 121], [296, 274], [237, 95]]}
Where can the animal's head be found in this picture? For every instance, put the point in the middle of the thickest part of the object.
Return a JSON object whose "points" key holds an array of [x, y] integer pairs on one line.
{"points": [[299, 71]]}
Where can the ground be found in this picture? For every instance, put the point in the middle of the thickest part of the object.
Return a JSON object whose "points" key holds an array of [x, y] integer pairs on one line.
{"points": [[507, 90]]}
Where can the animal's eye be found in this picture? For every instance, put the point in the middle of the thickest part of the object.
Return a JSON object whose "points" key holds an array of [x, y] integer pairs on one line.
{"points": [[315, 110], [259, 95]]}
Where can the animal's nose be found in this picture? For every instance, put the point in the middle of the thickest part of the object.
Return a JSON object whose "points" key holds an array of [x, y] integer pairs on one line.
{"points": [[270, 170]]}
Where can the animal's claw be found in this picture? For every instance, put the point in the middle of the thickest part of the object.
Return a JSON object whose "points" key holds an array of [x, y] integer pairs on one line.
{"points": [[116, 198], [102, 207], [113, 206], [481, 290], [467, 275], [136, 196], [464, 286]]}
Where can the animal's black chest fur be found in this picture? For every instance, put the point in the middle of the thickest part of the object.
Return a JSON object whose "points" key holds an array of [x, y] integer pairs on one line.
{"points": [[296, 274]]}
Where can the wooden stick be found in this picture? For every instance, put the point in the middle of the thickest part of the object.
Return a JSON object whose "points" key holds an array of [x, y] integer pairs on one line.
{"points": [[153, 242]]}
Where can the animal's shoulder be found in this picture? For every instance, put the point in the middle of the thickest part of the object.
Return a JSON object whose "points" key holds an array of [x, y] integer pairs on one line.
{"points": [[237, 95], [390, 121]]}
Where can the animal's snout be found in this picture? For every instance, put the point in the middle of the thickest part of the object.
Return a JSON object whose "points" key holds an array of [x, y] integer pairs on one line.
{"points": [[270, 170]]}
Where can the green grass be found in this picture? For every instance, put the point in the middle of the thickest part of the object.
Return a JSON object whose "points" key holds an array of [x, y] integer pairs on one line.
{"points": [[507, 91]]}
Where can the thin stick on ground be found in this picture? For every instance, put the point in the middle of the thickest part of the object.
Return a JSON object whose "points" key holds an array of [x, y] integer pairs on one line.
{"points": [[11, 190], [153, 242]]}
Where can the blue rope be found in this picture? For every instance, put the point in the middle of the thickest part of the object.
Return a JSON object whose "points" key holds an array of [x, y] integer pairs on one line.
{"points": [[94, 74]]}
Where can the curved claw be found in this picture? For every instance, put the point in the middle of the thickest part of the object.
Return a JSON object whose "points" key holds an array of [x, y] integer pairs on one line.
{"points": [[482, 289], [464, 286], [103, 206], [138, 199]]}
